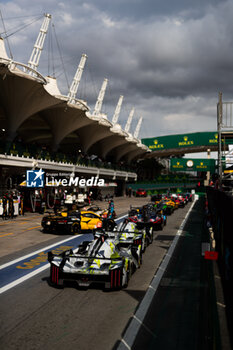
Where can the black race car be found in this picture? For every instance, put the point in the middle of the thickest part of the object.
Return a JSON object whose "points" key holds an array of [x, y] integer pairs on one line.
{"points": [[68, 221]]}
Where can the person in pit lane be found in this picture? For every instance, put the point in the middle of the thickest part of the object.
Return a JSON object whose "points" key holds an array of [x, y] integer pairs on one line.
{"points": [[110, 209]]}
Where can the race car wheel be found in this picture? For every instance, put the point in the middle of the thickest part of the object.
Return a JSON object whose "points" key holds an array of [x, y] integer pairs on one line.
{"points": [[128, 276], [46, 230], [110, 225], [75, 229], [140, 260], [144, 243], [151, 235]]}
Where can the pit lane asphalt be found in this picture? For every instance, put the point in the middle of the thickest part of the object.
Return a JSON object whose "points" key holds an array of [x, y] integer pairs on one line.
{"points": [[36, 316]]}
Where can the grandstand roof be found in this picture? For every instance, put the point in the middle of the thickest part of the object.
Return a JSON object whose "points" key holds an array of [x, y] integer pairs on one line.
{"points": [[33, 109]]}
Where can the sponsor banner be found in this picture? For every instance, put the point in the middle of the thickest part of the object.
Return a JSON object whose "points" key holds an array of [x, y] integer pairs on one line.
{"points": [[183, 140], [195, 164]]}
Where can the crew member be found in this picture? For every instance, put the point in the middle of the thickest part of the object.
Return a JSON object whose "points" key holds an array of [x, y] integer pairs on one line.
{"points": [[111, 209], [21, 205], [4, 203], [11, 207]]}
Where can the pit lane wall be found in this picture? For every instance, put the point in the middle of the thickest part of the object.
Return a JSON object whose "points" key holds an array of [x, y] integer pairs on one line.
{"points": [[220, 216]]}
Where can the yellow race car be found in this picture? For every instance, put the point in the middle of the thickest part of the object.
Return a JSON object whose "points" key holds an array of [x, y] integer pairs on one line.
{"points": [[173, 203], [90, 220]]}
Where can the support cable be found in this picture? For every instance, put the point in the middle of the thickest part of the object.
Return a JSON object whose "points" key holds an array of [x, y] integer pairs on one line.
{"points": [[59, 50], [18, 28], [51, 66], [95, 90]]}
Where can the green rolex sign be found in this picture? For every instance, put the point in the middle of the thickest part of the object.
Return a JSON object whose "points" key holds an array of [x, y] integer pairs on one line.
{"points": [[182, 140], [195, 164]]}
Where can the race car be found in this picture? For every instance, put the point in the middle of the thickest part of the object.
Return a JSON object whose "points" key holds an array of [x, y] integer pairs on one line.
{"points": [[75, 222], [102, 260], [90, 220], [94, 208], [141, 217], [134, 211], [153, 217], [175, 200], [103, 213], [166, 206], [141, 193], [65, 222], [128, 233], [171, 204], [158, 219], [182, 201], [188, 196]]}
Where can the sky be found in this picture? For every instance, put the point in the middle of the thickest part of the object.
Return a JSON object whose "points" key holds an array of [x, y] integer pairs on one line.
{"points": [[169, 59]]}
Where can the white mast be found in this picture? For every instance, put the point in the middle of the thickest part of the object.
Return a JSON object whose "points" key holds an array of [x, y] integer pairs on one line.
{"points": [[75, 83], [127, 127], [117, 110], [100, 98], [38, 47], [136, 133]]}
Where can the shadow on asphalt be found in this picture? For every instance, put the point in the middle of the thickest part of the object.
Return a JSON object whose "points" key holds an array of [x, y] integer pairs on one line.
{"points": [[136, 294], [164, 238]]}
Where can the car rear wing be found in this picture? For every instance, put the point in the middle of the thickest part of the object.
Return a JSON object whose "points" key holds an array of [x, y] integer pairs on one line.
{"points": [[83, 258], [133, 241]]}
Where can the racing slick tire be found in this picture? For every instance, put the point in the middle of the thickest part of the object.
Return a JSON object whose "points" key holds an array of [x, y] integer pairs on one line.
{"points": [[110, 226], [44, 230], [140, 260], [145, 245], [75, 229], [128, 276], [151, 236]]}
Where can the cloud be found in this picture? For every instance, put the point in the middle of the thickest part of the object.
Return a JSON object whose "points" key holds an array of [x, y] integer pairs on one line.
{"points": [[168, 59]]}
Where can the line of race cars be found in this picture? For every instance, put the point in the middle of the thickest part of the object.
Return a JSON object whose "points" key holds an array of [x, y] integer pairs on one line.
{"points": [[113, 254]]}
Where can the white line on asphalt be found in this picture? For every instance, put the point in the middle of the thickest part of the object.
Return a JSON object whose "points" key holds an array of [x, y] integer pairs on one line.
{"points": [[36, 252], [131, 332], [22, 279]]}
